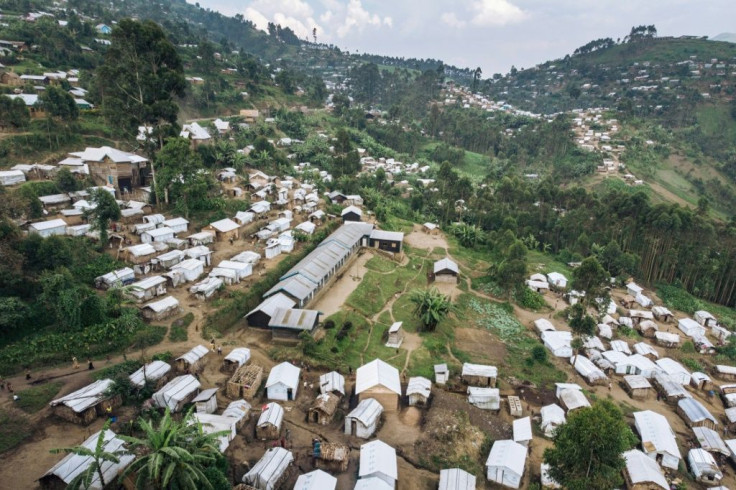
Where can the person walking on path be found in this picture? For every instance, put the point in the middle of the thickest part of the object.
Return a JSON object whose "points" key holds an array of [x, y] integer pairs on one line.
{"points": [[90, 366], [219, 350], [75, 363]]}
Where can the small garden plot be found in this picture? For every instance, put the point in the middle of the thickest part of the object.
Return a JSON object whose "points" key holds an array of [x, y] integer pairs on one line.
{"points": [[495, 317]]}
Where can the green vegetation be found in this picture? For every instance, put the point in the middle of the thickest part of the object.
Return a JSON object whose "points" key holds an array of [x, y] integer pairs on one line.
{"points": [[14, 428], [35, 398], [588, 448], [376, 288], [179, 328], [677, 298]]}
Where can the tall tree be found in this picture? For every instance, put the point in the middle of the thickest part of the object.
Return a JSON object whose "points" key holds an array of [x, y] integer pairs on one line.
{"points": [[141, 76], [173, 454], [592, 278], [99, 456], [59, 103], [588, 448], [430, 306], [106, 209]]}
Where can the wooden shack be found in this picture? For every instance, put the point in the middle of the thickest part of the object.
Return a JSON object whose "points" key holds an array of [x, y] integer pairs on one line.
{"points": [[269, 423], [85, 405], [245, 382], [479, 375], [638, 387], [323, 409], [193, 361], [333, 457], [236, 358]]}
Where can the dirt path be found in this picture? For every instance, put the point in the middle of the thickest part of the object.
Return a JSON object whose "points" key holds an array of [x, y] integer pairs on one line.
{"points": [[329, 304]]}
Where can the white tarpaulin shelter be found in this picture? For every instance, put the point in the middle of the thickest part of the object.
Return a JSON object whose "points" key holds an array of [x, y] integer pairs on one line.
{"points": [[218, 423], [177, 392], [267, 472], [657, 438], [151, 372], [505, 463], [72, 465], [316, 480], [456, 479], [283, 382], [378, 459], [485, 398], [553, 416], [332, 382], [643, 470]]}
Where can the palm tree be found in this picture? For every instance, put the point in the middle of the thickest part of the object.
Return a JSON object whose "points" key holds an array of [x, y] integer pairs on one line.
{"points": [[173, 454], [430, 306], [99, 456]]}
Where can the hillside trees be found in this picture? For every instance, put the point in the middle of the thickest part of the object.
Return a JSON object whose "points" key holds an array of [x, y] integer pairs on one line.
{"points": [[13, 112], [588, 448], [106, 210], [139, 79], [141, 75]]}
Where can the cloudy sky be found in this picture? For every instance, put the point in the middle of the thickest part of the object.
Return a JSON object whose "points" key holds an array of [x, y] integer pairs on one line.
{"points": [[492, 34]]}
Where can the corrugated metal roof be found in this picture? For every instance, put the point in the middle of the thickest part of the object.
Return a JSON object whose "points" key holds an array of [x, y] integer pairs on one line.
{"points": [[87, 397], [294, 319], [391, 236], [272, 303], [378, 457], [73, 465], [695, 411], [303, 279], [284, 373], [375, 373], [710, 440]]}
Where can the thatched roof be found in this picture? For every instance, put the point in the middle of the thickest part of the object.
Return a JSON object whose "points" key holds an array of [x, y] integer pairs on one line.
{"points": [[326, 403], [334, 452]]}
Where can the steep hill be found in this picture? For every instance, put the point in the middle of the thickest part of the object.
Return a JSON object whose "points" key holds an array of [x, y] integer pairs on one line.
{"points": [[725, 36]]}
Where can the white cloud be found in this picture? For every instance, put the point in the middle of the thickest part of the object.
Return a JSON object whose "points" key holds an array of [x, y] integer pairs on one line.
{"points": [[485, 13], [339, 19], [496, 13], [253, 15], [450, 18]]}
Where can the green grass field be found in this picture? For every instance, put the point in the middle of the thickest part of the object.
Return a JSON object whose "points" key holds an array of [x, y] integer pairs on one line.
{"points": [[14, 428], [33, 399]]}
